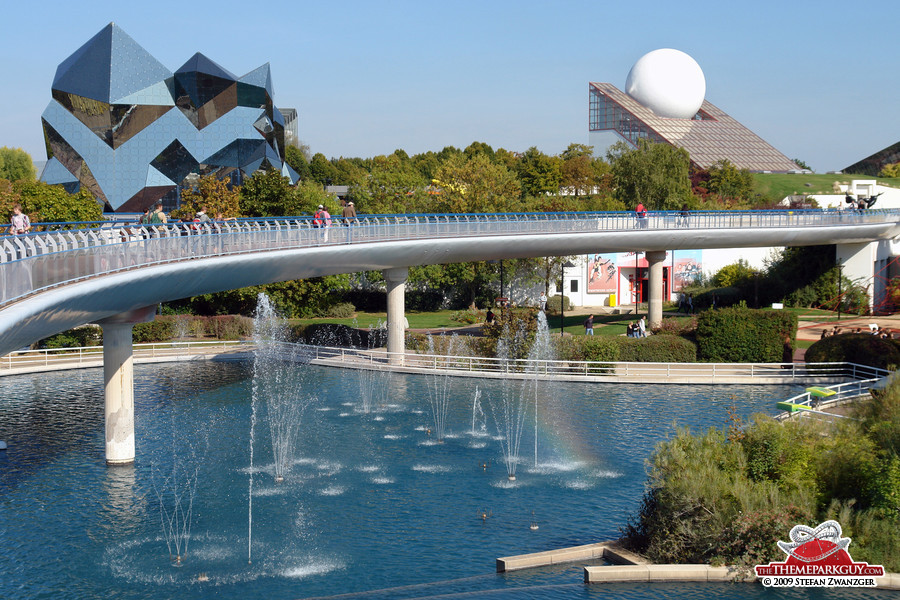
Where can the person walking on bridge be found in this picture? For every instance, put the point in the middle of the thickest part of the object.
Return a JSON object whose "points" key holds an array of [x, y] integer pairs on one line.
{"points": [[322, 220], [348, 215], [19, 223], [641, 214]]}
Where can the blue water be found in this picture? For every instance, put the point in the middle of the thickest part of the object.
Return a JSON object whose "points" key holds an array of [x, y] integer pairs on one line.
{"points": [[372, 507]]}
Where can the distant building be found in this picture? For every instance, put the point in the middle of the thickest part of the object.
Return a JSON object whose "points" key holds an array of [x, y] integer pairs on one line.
{"points": [[132, 132], [664, 103], [291, 126], [872, 165]]}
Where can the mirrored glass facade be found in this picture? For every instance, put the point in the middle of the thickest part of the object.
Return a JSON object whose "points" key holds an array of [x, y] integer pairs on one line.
{"points": [[131, 131], [710, 136]]}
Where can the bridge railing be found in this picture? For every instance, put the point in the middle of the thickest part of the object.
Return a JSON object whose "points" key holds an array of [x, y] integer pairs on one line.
{"points": [[37, 261]]}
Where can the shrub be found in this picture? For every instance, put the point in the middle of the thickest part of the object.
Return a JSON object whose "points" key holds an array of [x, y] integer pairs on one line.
{"points": [[230, 327], [368, 300], [424, 300], [87, 335], [657, 348], [343, 310], [719, 297], [516, 328], [335, 334], [741, 334], [859, 348], [161, 329], [468, 316], [677, 326], [590, 348], [553, 303]]}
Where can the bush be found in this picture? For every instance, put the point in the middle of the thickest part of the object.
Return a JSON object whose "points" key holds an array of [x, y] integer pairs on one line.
{"points": [[516, 328], [590, 348], [657, 348], [161, 329], [337, 335], [859, 348], [677, 326], [230, 327], [741, 334], [343, 310], [712, 498], [553, 303], [87, 335], [423, 300], [367, 300], [719, 297]]}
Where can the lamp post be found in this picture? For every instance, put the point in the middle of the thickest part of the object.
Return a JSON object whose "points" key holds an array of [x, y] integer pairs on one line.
{"points": [[840, 293], [562, 296]]}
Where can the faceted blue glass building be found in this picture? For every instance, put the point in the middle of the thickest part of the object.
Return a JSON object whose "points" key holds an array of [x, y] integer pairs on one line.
{"points": [[130, 131]]}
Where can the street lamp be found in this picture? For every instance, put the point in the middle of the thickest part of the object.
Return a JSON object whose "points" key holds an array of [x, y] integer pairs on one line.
{"points": [[562, 296]]}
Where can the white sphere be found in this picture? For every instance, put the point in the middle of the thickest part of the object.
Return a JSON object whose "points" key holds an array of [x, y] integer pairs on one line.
{"points": [[668, 82]]}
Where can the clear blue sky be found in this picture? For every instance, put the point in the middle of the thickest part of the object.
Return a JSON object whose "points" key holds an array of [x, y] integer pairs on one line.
{"points": [[818, 80]]}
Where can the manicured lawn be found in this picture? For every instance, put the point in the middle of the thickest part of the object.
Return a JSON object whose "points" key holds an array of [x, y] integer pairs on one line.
{"points": [[417, 320]]}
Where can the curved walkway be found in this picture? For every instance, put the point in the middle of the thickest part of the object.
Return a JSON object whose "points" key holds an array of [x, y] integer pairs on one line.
{"points": [[73, 277]]}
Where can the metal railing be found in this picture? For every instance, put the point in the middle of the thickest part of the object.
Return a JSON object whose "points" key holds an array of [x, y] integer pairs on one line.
{"points": [[858, 386], [524, 368], [857, 377], [92, 355], [61, 254]]}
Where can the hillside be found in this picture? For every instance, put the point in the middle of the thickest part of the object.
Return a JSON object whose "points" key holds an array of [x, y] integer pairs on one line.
{"points": [[775, 186]]}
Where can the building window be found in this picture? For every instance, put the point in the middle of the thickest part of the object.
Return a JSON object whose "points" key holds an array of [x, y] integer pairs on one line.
{"points": [[573, 286]]}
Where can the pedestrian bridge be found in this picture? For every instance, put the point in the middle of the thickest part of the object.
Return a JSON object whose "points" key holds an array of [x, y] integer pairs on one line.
{"points": [[56, 280], [115, 275]]}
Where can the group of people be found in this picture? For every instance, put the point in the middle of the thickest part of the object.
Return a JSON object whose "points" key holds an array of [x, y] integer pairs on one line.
{"points": [[686, 303], [638, 329], [641, 214], [874, 329]]}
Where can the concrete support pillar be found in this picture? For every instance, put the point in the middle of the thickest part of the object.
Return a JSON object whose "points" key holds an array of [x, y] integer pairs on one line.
{"points": [[396, 307], [655, 283], [118, 378], [857, 263]]}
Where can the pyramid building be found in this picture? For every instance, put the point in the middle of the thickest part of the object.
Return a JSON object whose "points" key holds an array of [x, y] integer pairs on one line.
{"points": [[131, 131], [664, 103]]}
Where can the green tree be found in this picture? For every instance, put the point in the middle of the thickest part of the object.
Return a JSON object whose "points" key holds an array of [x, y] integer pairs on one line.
{"points": [[578, 169], [891, 170], [801, 164], [297, 160], [322, 170], [212, 193], [656, 175], [393, 185], [45, 203], [474, 184], [539, 174], [734, 274], [16, 164], [479, 148], [729, 182], [268, 194]]}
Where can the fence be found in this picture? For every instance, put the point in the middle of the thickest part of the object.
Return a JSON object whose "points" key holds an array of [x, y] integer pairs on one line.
{"points": [[50, 358]]}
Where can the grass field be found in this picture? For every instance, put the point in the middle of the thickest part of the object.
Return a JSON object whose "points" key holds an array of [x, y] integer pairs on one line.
{"points": [[775, 186], [573, 325]]}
